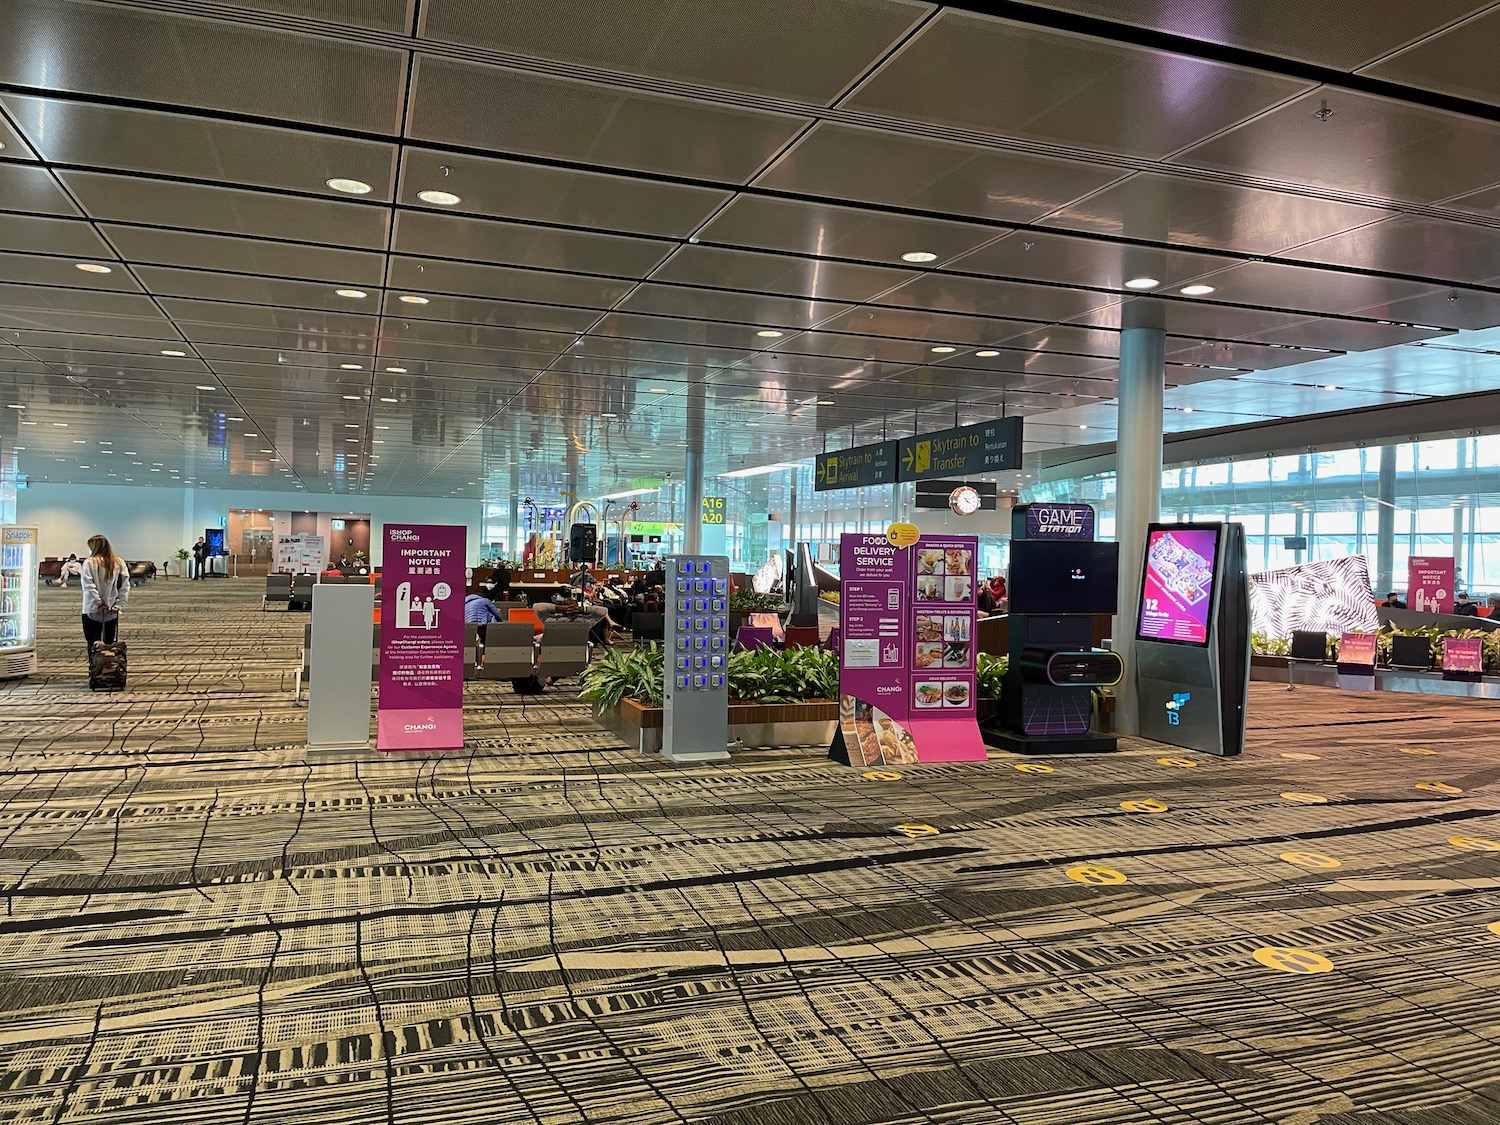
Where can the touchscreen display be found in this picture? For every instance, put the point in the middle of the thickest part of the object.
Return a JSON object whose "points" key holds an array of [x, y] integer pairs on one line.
{"points": [[1177, 594], [1060, 576]]}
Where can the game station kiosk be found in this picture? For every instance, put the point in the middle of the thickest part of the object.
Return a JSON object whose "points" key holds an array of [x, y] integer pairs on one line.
{"points": [[1060, 577], [1192, 643]]}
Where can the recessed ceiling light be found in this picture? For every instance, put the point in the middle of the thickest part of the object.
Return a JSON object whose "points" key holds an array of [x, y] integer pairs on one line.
{"points": [[352, 366], [351, 439], [441, 198], [1142, 283], [943, 349], [1083, 427], [382, 427], [377, 441], [61, 425], [770, 333], [606, 414], [988, 354], [265, 451], [349, 187], [203, 388], [352, 398], [410, 300], [1331, 387], [15, 406], [351, 425], [390, 400], [919, 256], [28, 423], [171, 352], [92, 267], [1187, 409], [79, 441], [825, 402], [396, 370], [1196, 290], [355, 293]]}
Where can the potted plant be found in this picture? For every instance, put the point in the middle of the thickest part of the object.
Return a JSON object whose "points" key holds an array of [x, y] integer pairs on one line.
{"points": [[182, 558]]}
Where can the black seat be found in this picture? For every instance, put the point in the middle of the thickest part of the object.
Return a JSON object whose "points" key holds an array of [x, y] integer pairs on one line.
{"points": [[1309, 646], [1411, 652]]}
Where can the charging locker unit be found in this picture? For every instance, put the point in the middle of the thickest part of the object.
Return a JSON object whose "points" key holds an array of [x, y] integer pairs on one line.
{"points": [[696, 664], [1192, 667]]}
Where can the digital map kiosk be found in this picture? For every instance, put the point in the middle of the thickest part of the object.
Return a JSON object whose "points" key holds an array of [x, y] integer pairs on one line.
{"points": [[1192, 642]]}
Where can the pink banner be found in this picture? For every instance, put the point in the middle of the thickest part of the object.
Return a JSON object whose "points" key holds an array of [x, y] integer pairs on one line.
{"points": [[1463, 654], [422, 638], [1429, 584]]}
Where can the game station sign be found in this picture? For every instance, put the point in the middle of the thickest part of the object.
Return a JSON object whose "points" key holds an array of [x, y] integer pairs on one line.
{"points": [[907, 676]]}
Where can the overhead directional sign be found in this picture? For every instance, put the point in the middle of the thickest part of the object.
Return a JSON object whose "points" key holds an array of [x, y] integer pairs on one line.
{"points": [[855, 468], [968, 450]]}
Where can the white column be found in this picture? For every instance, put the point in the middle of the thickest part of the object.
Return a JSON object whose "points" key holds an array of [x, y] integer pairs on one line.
{"points": [[692, 499], [1137, 490]]}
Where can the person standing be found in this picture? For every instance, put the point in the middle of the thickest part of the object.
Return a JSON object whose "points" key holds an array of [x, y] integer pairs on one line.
{"points": [[106, 587], [200, 555]]}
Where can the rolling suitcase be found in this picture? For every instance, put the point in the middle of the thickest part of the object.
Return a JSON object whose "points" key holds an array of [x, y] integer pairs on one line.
{"points": [[107, 666]]}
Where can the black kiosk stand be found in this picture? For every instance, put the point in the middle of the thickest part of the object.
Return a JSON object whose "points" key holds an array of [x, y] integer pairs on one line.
{"points": [[1192, 642], [1060, 577]]}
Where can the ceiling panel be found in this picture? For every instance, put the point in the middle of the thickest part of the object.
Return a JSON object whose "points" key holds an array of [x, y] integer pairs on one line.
{"points": [[29, 187], [425, 275], [820, 48], [1412, 244], [1230, 355], [842, 232], [778, 273], [381, 15], [1338, 33], [88, 301], [127, 52], [1009, 299], [1013, 80], [1451, 307], [777, 312], [179, 144], [130, 199], [434, 235], [146, 323], [1460, 61], [1346, 335], [1300, 287], [37, 235], [927, 328], [593, 200], [305, 323], [508, 314], [247, 255], [1084, 261], [12, 144], [454, 103], [1368, 145], [874, 166], [1157, 207], [243, 288]]}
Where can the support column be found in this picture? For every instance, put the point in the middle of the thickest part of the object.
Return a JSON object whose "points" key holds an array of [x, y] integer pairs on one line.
{"points": [[1137, 482], [1385, 522], [692, 499], [791, 541]]}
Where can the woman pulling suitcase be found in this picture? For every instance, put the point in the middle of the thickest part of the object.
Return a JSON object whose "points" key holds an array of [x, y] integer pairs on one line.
{"points": [[106, 587]]}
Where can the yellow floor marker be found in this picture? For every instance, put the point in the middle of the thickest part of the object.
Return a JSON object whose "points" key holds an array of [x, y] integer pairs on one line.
{"points": [[1312, 859], [882, 775], [1182, 763], [1474, 843], [1033, 767], [1096, 876], [1148, 805], [1292, 960], [1494, 928], [1298, 757], [1416, 750], [1438, 787], [912, 831], [1305, 798]]}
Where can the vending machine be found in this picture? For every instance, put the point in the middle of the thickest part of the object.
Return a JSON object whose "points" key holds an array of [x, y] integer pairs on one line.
{"points": [[18, 578]]}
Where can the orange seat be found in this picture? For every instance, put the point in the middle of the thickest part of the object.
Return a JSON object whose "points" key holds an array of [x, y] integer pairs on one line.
{"points": [[529, 615]]}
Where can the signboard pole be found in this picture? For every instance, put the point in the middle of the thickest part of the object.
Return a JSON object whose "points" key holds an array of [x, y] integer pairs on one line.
{"points": [[422, 638]]}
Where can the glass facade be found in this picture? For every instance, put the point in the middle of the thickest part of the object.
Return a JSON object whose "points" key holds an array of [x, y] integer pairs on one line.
{"points": [[1442, 498]]}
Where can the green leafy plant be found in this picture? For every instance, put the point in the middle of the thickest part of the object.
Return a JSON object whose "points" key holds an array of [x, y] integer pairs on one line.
{"points": [[992, 671], [829, 596], [748, 601], [624, 674]]}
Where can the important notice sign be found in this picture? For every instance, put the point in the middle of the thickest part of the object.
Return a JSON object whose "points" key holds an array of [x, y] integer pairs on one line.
{"points": [[422, 639], [968, 450], [855, 468]]}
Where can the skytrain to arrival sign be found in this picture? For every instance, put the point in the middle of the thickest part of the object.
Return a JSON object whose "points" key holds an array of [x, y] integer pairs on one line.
{"points": [[965, 451]]}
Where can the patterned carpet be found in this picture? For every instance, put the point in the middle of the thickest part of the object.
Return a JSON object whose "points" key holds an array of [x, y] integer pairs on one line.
{"points": [[203, 924]]}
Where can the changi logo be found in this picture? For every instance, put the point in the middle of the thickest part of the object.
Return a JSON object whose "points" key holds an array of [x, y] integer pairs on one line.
{"points": [[430, 724], [1174, 707], [402, 535]]}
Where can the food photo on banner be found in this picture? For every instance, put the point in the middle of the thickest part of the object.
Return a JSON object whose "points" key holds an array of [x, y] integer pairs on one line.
{"points": [[422, 639]]}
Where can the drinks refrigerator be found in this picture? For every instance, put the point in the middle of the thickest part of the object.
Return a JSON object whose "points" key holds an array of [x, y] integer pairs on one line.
{"points": [[18, 581]]}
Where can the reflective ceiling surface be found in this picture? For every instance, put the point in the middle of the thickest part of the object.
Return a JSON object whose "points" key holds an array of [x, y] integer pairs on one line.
{"points": [[450, 248]]}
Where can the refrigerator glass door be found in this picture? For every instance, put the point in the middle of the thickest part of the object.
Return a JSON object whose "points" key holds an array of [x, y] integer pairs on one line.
{"points": [[18, 565]]}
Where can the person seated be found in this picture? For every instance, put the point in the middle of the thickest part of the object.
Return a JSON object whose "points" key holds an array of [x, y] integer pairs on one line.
{"points": [[1392, 602], [1463, 607], [497, 585], [71, 568], [582, 578], [479, 610]]}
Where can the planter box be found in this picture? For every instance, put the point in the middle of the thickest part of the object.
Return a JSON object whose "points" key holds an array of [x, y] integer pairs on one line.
{"points": [[757, 725]]}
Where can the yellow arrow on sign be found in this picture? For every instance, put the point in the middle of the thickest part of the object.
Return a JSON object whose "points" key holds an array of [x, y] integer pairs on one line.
{"points": [[906, 456], [822, 469]]}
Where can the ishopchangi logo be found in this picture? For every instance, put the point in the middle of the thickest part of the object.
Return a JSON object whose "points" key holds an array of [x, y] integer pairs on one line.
{"points": [[1174, 707], [401, 535]]}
